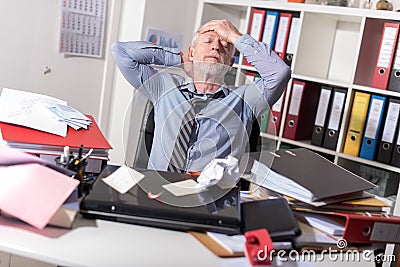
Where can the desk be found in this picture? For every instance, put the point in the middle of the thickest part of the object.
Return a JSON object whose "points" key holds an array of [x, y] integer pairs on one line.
{"points": [[100, 243]]}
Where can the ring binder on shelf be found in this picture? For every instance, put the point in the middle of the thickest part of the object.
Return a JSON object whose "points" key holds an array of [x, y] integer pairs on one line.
{"points": [[320, 118], [386, 145], [372, 128], [385, 57], [335, 118]]}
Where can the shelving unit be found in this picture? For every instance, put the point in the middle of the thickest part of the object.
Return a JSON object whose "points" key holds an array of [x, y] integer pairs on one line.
{"points": [[337, 46]]}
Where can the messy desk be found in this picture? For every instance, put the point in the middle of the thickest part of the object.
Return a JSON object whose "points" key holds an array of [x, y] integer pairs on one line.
{"points": [[97, 242]]}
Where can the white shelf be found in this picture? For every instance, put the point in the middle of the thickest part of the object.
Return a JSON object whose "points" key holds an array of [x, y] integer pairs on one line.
{"points": [[337, 46]]}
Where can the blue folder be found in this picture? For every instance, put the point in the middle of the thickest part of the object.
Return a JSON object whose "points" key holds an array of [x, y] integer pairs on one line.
{"points": [[372, 127], [271, 28]]}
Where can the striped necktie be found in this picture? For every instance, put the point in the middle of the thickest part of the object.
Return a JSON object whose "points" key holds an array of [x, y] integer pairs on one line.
{"points": [[179, 154], [178, 158]]}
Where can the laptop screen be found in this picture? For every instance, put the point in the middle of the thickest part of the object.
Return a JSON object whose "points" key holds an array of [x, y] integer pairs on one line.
{"points": [[212, 210]]}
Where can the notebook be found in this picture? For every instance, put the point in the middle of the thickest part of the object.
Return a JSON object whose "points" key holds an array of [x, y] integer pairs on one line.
{"points": [[214, 210]]}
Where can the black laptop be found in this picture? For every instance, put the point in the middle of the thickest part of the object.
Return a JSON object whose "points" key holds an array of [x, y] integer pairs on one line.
{"points": [[215, 209]]}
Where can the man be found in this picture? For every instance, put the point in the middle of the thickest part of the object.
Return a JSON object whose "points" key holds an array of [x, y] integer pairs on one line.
{"points": [[223, 116]]}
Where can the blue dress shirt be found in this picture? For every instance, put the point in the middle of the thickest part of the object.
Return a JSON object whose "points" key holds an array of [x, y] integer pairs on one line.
{"points": [[224, 124]]}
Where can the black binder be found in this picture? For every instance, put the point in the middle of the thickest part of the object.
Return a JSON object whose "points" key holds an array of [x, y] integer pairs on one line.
{"points": [[334, 120], [321, 117], [396, 151], [292, 39], [394, 79], [387, 139]]}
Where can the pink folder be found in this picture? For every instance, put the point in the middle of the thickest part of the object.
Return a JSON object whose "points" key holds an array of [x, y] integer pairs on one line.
{"points": [[33, 193]]}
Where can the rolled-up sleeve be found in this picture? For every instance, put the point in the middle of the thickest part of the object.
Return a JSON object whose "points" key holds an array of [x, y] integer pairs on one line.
{"points": [[134, 59]]}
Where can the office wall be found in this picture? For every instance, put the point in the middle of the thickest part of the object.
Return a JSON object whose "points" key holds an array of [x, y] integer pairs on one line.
{"points": [[29, 43], [177, 16]]}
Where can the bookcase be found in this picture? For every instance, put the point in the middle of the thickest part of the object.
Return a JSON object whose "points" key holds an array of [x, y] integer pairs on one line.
{"points": [[336, 47]]}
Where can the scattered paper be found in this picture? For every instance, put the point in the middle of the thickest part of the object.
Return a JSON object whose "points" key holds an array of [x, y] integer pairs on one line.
{"points": [[33, 193], [211, 174], [39, 112], [24, 108], [232, 243], [183, 188], [69, 115], [123, 179], [224, 172]]}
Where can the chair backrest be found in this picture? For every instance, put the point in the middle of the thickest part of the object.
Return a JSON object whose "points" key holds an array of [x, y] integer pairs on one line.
{"points": [[146, 135], [145, 141]]}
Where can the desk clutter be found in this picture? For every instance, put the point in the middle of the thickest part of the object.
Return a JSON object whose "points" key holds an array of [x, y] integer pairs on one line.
{"points": [[225, 220], [37, 124], [46, 142], [34, 190], [40, 112]]}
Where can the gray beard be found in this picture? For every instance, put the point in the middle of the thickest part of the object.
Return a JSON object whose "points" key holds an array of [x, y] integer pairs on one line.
{"points": [[205, 69]]}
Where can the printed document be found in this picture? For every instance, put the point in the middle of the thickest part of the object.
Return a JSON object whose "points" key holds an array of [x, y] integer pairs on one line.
{"points": [[27, 109]]}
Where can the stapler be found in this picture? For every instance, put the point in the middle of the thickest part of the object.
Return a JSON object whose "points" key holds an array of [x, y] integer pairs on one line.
{"points": [[258, 247]]}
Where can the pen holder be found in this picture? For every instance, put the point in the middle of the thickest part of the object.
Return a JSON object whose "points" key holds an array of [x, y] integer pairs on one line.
{"points": [[61, 164], [78, 167]]}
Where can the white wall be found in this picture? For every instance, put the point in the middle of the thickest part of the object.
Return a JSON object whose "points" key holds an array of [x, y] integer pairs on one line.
{"points": [[177, 16], [29, 42], [131, 22]]}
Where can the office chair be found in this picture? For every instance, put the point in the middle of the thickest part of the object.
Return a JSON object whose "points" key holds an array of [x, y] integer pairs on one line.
{"points": [[146, 134], [145, 141]]}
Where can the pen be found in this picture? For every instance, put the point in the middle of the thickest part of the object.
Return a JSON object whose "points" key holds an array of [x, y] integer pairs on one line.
{"points": [[80, 152], [66, 154], [86, 157]]}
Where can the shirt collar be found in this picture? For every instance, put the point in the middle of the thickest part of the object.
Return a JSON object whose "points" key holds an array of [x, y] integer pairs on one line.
{"points": [[222, 92]]}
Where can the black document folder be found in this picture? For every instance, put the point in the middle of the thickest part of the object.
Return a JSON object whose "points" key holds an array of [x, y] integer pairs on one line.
{"points": [[321, 116], [395, 161], [334, 119], [309, 177], [274, 215], [387, 140], [214, 210]]}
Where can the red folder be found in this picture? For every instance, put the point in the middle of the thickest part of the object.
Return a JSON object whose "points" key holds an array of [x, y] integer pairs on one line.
{"points": [[256, 26], [283, 34], [274, 120], [303, 105], [387, 47], [90, 138], [366, 229]]}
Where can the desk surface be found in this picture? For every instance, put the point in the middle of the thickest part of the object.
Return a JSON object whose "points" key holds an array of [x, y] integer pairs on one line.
{"points": [[103, 243]]}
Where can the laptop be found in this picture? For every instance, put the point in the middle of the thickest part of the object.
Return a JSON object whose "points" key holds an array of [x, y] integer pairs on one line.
{"points": [[214, 210]]}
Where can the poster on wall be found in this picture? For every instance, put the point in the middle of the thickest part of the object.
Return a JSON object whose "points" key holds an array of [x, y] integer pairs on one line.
{"points": [[82, 27], [164, 38]]}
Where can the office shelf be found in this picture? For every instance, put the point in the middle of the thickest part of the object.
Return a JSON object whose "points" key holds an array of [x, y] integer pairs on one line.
{"points": [[337, 47]]}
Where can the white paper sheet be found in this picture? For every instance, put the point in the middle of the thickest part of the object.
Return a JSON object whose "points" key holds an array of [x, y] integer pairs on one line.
{"points": [[183, 188], [28, 109], [123, 179]]}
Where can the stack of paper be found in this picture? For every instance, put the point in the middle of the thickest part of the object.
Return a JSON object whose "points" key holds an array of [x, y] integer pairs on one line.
{"points": [[369, 204], [38, 142], [33, 193], [39, 112], [307, 178], [70, 116], [323, 223]]}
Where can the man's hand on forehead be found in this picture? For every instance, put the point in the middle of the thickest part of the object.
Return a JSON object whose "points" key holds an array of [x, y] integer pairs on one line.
{"points": [[225, 30]]}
